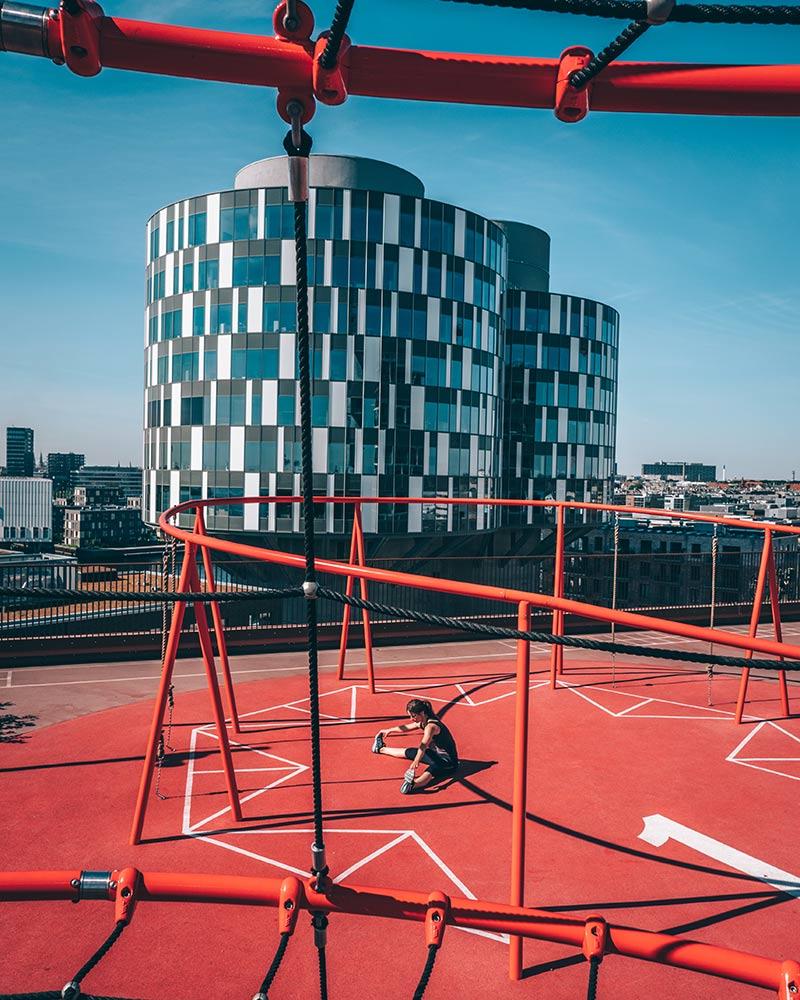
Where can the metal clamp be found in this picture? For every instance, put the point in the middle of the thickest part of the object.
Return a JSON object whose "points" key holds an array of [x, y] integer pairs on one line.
{"points": [[571, 104], [436, 918], [310, 590], [330, 85], [289, 903], [94, 885], [293, 21], [789, 987], [595, 939], [320, 924], [659, 11], [127, 882], [79, 21], [298, 145]]}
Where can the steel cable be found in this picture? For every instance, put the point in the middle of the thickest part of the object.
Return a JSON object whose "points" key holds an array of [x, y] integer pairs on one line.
{"points": [[636, 10]]}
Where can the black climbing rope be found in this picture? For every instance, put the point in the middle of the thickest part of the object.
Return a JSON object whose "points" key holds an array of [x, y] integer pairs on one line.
{"points": [[422, 985], [72, 989], [272, 971], [335, 36], [298, 146], [594, 969], [582, 77], [500, 632], [636, 10]]}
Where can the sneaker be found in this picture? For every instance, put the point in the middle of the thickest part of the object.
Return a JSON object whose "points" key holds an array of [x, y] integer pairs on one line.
{"points": [[378, 743], [407, 787]]}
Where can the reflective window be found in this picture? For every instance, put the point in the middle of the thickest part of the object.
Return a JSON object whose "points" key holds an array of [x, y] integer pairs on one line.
{"points": [[197, 228]]}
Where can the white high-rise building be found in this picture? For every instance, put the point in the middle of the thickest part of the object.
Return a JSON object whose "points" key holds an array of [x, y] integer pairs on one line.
{"points": [[26, 509]]}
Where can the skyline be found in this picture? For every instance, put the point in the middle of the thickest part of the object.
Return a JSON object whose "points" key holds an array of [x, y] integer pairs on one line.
{"points": [[697, 284]]}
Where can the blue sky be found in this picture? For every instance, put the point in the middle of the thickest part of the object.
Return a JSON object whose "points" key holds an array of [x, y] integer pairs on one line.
{"points": [[687, 225]]}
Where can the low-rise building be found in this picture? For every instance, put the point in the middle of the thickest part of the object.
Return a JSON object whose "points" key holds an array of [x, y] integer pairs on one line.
{"points": [[26, 510]]}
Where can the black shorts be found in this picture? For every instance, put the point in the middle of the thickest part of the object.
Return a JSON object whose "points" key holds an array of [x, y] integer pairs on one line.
{"points": [[438, 766]]}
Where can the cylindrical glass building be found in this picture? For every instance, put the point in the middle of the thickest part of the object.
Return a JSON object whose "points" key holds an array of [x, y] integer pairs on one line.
{"points": [[425, 383]]}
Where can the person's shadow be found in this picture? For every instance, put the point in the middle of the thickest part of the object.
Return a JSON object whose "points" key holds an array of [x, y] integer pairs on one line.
{"points": [[466, 769]]}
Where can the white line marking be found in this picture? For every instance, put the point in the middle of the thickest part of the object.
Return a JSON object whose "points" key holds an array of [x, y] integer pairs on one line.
{"points": [[187, 795], [437, 860], [659, 829], [8, 680], [632, 708], [252, 854], [246, 770], [353, 705], [467, 698], [769, 770], [370, 857]]}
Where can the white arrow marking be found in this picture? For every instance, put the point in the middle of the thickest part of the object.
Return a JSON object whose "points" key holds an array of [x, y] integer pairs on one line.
{"points": [[659, 829]]}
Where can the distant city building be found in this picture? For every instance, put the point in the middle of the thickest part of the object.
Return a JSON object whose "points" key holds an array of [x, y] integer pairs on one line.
{"points": [[60, 466], [19, 451], [127, 479], [104, 527], [100, 496], [26, 513], [694, 472]]}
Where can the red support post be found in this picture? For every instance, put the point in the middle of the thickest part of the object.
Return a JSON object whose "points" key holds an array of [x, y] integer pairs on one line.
{"points": [[557, 652], [520, 794], [216, 701], [219, 631], [362, 560], [171, 651], [347, 609], [775, 607], [758, 599]]}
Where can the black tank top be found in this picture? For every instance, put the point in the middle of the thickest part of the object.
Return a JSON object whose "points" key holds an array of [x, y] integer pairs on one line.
{"points": [[443, 744]]}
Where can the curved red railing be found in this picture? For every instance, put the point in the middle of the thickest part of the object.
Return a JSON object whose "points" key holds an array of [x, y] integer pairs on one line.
{"points": [[127, 887]]}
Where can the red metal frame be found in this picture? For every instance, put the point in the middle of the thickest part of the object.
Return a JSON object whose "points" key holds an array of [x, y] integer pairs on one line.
{"points": [[290, 62], [782, 977], [357, 558]]}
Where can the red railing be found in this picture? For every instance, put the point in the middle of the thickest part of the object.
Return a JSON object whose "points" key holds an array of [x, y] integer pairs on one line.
{"points": [[593, 935], [198, 539]]}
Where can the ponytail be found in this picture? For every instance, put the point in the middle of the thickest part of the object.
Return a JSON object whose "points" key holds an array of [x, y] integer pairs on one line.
{"points": [[419, 707]]}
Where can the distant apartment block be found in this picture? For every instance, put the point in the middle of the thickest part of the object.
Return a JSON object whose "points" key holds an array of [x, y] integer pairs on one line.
{"points": [[26, 513], [103, 527], [60, 466], [127, 479], [19, 451], [694, 472]]}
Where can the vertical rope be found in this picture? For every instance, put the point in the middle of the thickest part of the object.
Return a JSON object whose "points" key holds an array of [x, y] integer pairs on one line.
{"points": [[164, 606], [710, 668], [422, 985], [614, 601], [298, 146], [594, 969]]}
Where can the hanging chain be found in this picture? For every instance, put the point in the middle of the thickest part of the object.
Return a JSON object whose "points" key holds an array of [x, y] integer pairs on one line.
{"points": [[164, 607], [710, 667], [614, 602]]}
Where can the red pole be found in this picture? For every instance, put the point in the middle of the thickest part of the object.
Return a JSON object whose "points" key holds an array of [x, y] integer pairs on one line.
{"points": [[557, 652], [219, 631], [349, 592], [774, 601], [171, 651], [362, 560], [216, 701], [519, 806], [754, 616]]}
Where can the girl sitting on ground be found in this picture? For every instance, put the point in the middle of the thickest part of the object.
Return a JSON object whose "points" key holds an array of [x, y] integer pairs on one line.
{"points": [[437, 749]]}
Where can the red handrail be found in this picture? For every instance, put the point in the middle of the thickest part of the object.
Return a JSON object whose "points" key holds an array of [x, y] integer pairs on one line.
{"points": [[401, 904]]}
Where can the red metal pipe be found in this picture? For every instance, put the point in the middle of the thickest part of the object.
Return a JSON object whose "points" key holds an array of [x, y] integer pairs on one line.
{"points": [[347, 608], [213, 692], [171, 651], [675, 88], [219, 632], [591, 611], [775, 607], [520, 790], [755, 614], [683, 953], [557, 652], [362, 561]]}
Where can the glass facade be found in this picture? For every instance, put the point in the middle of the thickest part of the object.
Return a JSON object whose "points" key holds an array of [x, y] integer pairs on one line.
{"points": [[431, 378]]}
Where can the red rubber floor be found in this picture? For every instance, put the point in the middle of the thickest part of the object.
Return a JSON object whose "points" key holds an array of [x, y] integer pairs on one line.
{"points": [[645, 805]]}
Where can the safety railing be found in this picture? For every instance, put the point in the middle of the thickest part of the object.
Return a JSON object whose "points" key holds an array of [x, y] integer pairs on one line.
{"points": [[593, 936]]}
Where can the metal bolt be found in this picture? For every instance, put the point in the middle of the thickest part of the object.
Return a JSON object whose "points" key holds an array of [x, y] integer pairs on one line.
{"points": [[125, 892], [112, 884], [78, 50], [75, 883], [436, 917], [288, 905]]}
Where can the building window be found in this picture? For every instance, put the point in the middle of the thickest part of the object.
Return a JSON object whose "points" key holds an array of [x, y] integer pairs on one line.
{"points": [[197, 228]]}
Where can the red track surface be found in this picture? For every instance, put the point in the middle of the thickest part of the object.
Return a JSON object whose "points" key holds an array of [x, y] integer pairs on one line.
{"points": [[602, 759]]}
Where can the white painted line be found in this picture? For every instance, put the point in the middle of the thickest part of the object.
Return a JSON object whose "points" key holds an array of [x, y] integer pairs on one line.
{"points": [[252, 854], [370, 857], [745, 741], [744, 760], [632, 708], [353, 705], [186, 828], [769, 770], [8, 680], [659, 829], [245, 770], [448, 872], [467, 698]]}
